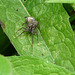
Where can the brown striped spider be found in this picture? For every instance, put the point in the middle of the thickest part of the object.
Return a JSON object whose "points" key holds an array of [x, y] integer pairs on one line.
{"points": [[31, 24]]}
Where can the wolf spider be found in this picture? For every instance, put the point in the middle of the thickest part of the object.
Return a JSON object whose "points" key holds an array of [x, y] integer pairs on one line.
{"points": [[31, 24]]}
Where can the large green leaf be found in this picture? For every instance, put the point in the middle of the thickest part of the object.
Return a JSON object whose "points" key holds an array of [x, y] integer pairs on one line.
{"points": [[12, 16], [5, 68], [55, 30], [32, 66], [56, 41]]}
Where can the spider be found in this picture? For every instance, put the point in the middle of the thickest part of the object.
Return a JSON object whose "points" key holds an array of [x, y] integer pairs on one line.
{"points": [[31, 24]]}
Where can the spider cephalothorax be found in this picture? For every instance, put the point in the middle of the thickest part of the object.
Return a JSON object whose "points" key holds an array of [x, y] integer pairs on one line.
{"points": [[31, 24]]}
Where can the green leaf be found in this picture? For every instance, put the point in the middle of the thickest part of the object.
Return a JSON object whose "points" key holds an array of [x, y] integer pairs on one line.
{"points": [[56, 31], [32, 66], [60, 1], [12, 16], [56, 38], [5, 68]]}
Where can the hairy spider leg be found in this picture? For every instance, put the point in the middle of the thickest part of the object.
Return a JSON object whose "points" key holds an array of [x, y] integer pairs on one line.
{"points": [[21, 34], [38, 27], [33, 35], [20, 29], [25, 24]]}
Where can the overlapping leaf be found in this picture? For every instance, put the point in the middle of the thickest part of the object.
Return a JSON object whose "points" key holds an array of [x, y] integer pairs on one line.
{"points": [[5, 67], [32, 66], [12, 15]]}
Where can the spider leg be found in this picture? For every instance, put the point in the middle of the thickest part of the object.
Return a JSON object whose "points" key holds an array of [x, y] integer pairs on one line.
{"points": [[20, 29], [25, 24], [20, 34], [33, 32], [38, 27]]}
